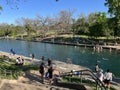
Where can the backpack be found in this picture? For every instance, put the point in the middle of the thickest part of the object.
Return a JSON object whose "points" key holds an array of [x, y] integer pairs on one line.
{"points": [[47, 75]]}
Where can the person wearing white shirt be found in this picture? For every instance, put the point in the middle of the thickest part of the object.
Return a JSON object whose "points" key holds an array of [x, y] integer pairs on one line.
{"points": [[107, 78]]}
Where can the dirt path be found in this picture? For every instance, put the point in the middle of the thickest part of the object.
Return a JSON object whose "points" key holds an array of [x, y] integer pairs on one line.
{"points": [[30, 81]]}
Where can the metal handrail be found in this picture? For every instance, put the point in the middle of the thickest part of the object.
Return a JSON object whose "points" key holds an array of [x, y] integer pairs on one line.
{"points": [[89, 73]]}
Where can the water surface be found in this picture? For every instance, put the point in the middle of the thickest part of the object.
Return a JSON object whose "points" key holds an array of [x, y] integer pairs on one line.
{"points": [[78, 55]]}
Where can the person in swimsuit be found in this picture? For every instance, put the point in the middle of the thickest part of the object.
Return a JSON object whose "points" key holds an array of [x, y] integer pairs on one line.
{"points": [[42, 70], [50, 71]]}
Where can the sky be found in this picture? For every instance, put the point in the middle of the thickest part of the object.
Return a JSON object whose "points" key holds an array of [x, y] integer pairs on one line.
{"points": [[32, 8]]}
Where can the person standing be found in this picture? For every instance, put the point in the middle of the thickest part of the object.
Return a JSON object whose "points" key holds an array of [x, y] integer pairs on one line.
{"points": [[32, 56], [49, 64], [42, 58], [96, 68], [12, 51], [42, 70], [107, 78], [50, 71], [100, 75]]}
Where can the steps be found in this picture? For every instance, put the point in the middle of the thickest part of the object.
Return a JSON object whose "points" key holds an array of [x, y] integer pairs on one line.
{"points": [[12, 85], [16, 85], [31, 81]]}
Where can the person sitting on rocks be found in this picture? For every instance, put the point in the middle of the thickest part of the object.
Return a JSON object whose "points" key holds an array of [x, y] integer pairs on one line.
{"points": [[19, 61], [22, 60]]}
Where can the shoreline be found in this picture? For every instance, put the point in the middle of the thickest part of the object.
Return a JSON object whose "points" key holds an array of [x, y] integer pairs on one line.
{"points": [[58, 65], [112, 47], [28, 59]]}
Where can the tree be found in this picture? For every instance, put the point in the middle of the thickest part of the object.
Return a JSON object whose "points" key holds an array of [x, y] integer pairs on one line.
{"points": [[43, 24], [65, 20], [5, 29], [113, 7], [100, 26], [82, 26], [0, 7], [92, 18], [29, 25], [114, 10], [14, 4]]}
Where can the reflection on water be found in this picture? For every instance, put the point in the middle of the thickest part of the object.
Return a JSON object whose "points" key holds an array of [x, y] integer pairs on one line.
{"points": [[77, 55]]}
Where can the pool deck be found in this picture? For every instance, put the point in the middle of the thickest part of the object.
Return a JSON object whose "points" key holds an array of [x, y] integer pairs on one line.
{"points": [[116, 46]]}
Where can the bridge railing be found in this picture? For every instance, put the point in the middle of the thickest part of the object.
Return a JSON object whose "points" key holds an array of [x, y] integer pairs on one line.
{"points": [[86, 74]]}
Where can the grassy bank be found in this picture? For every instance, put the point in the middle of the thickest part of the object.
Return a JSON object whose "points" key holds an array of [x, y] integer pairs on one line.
{"points": [[83, 39], [8, 67], [69, 38], [86, 82]]}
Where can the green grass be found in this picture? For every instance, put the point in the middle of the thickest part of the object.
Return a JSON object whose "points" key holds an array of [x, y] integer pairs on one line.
{"points": [[78, 80], [17, 70], [83, 39]]}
